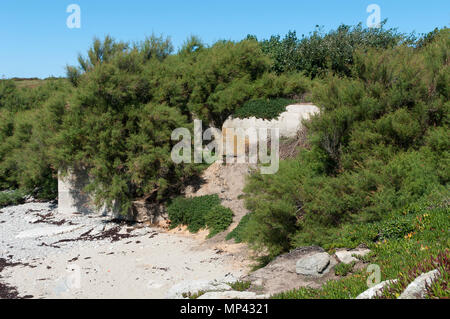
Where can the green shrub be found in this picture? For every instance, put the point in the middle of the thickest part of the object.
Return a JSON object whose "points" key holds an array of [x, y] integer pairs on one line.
{"points": [[28, 122], [319, 52], [218, 219], [238, 232], [14, 197], [200, 212], [263, 109], [193, 295], [396, 228], [240, 285], [343, 269]]}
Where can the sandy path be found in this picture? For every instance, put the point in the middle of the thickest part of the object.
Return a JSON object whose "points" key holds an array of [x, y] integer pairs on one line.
{"points": [[145, 265]]}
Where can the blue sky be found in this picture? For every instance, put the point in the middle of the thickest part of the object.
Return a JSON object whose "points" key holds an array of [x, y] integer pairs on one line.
{"points": [[35, 41]]}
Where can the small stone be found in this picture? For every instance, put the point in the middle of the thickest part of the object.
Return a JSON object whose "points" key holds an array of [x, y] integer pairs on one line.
{"points": [[313, 265], [346, 256]]}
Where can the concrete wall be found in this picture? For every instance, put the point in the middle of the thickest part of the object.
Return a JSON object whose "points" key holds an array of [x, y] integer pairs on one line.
{"points": [[289, 123], [72, 199]]}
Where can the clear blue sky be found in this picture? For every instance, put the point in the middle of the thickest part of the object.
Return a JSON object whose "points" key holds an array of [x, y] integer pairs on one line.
{"points": [[35, 41]]}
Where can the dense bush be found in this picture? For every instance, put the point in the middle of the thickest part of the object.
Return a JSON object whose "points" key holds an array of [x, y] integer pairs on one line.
{"points": [[29, 118], [263, 109], [237, 233], [379, 144], [321, 52], [218, 219], [381, 140], [117, 116], [129, 98], [14, 197], [200, 212]]}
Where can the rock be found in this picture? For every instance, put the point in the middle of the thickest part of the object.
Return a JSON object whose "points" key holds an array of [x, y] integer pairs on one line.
{"points": [[280, 274], [372, 292], [177, 291], [232, 295], [418, 288], [47, 231], [315, 265], [143, 211], [142, 231], [346, 256]]}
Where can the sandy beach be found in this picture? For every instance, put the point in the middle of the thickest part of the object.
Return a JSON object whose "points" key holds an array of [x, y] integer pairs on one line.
{"points": [[50, 256]]}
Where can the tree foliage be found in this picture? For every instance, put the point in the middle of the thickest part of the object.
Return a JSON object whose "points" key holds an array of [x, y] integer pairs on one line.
{"points": [[380, 143], [320, 52]]}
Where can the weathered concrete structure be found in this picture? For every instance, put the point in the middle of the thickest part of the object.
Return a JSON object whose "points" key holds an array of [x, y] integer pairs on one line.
{"points": [[288, 123], [73, 200], [71, 197]]}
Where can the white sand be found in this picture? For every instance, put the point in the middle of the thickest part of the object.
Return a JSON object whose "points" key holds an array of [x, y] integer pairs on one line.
{"points": [[145, 266]]}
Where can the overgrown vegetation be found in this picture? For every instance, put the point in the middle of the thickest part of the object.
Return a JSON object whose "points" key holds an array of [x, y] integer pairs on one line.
{"points": [[29, 118], [240, 285], [263, 109], [381, 142], [115, 113], [237, 233], [13, 197], [319, 53], [343, 269], [379, 147], [403, 257], [200, 212]]}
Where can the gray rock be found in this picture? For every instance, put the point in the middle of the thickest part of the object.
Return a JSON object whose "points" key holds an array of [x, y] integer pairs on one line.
{"points": [[29, 199], [232, 295], [418, 288], [372, 292], [280, 274], [346, 256], [316, 265]]}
